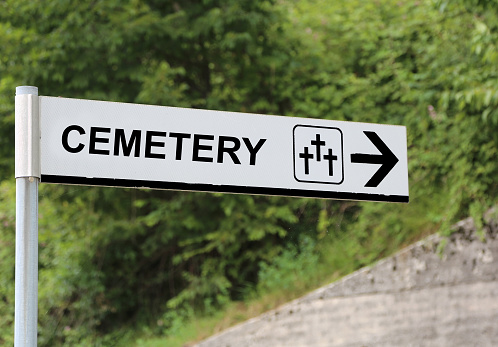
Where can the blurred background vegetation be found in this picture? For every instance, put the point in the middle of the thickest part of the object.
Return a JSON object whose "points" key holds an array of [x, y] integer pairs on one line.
{"points": [[121, 266]]}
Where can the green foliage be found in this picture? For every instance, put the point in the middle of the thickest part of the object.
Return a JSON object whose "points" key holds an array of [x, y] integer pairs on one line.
{"points": [[117, 259], [7, 261], [284, 271]]}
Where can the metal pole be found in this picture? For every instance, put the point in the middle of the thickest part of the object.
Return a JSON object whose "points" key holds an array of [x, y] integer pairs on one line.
{"points": [[27, 179]]}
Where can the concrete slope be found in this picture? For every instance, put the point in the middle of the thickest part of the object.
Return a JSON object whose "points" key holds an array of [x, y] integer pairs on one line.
{"points": [[415, 298]]}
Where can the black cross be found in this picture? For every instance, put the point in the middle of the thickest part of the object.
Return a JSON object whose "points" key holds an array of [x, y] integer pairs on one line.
{"points": [[306, 156], [318, 144], [331, 159]]}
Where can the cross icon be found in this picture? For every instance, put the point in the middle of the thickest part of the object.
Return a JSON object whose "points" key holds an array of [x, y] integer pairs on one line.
{"points": [[318, 154], [306, 155], [330, 157], [318, 143]]}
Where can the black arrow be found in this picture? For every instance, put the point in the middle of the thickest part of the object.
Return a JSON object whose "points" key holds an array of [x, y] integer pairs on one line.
{"points": [[386, 158]]}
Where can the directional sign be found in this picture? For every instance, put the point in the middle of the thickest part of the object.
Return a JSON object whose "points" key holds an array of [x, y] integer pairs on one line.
{"points": [[130, 145]]}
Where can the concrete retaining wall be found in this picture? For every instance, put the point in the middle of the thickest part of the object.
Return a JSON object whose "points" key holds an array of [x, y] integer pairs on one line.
{"points": [[415, 298]]}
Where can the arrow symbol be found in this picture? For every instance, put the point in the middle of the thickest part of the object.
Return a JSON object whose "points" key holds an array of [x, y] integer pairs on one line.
{"points": [[386, 158]]}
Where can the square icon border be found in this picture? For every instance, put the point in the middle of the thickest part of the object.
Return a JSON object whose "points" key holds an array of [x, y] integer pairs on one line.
{"points": [[294, 152]]}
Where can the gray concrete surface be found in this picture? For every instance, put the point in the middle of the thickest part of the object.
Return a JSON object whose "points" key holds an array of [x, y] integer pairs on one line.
{"points": [[418, 297]]}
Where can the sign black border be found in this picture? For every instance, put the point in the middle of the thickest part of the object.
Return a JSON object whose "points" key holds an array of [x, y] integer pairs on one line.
{"points": [[201, 187]]}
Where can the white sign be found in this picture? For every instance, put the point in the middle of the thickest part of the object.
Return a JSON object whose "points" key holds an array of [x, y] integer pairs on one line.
{"points": [[131, 145]]}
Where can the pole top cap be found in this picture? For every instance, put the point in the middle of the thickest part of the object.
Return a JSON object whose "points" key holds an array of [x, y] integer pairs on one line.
{"points": [[21, 90]]}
